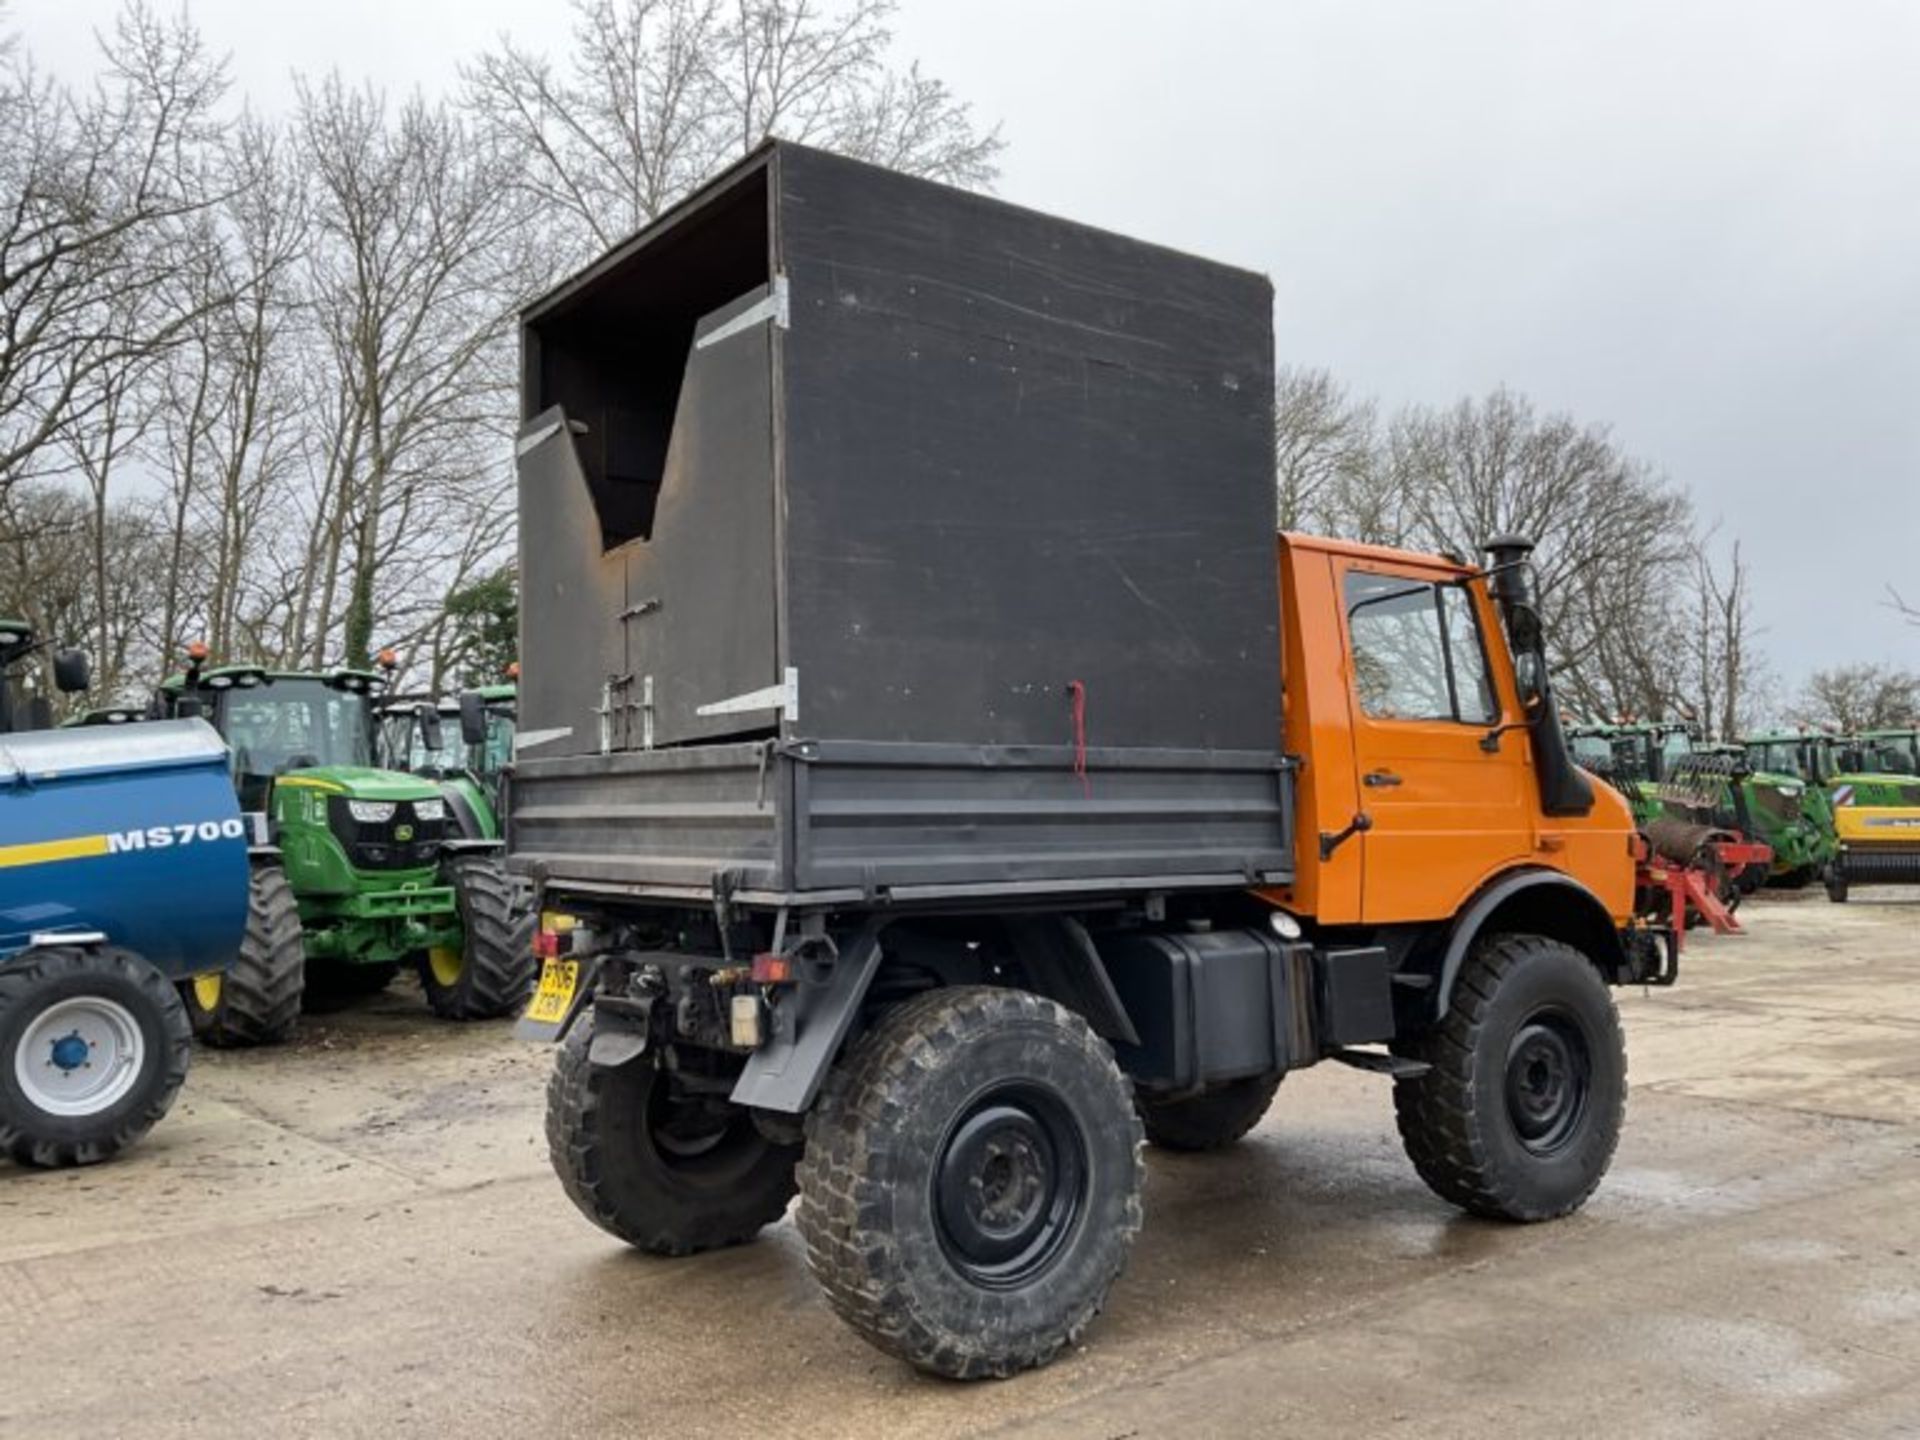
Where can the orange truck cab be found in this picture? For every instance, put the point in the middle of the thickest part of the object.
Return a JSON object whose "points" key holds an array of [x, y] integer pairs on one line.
{"points": [[1426, 795], [933, 787]]}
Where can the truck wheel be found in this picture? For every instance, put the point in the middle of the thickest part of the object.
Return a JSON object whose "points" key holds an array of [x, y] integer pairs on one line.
{"points": [[1207, 1121], [668, 1175], [94, 1044], [492, 973], [256, 1001], [971, 1183], [1518, 1117]]}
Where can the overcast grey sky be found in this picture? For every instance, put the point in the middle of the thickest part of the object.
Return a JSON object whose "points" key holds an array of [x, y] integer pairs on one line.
{"points": [[1699, 222]]}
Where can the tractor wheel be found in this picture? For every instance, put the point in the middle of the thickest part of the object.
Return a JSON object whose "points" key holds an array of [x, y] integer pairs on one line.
{"points": [[334, 985], [668, 1174], [492, 973], [1518, 1116], [971, 1182], [94, 1045], [1208, 1121], [256, 1001], [1836, 883]]}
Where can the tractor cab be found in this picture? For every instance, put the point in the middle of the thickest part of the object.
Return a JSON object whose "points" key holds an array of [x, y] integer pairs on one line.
{"points": [[1887, 752], [412, 738], [1632, 753], [465, 746], [280, 723], [22, 705]]}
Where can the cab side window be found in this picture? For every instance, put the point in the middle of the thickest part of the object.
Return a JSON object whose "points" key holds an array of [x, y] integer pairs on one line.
{"points": [[1417, 651]]}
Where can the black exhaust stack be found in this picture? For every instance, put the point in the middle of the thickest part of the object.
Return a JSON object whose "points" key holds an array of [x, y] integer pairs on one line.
{"points": [[1564, 788]]}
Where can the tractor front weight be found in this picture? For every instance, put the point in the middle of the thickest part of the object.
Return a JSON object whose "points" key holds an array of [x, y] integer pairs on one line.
{"points": [[381, 925]]}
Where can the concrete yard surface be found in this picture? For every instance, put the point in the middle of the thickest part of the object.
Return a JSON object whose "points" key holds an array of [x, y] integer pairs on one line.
{"points": [[359, 1236]]}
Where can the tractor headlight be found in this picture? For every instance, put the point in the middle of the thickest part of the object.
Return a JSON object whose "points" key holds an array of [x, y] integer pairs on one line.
{"points": [[370, 812], [429, 809]]}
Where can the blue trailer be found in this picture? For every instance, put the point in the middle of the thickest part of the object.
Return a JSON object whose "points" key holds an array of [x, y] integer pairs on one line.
{"points": [[124, 870]]}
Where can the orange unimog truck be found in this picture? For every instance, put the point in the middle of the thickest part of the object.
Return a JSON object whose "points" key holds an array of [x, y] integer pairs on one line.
{"points": [[934, 787]]}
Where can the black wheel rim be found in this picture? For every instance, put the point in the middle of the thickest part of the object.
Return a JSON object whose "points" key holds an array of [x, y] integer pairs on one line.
{"points": [[1010, 1186], [1549, 1080]]}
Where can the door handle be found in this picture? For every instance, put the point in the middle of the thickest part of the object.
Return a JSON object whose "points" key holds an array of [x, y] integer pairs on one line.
{"points": [[1377, 778]]}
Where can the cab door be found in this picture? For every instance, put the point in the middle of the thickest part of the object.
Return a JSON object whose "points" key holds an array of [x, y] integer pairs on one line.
{"points": [[1445, 811]]}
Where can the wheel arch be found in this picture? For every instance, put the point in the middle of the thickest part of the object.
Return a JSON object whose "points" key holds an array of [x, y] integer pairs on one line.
{"points": [[1533, 901]]}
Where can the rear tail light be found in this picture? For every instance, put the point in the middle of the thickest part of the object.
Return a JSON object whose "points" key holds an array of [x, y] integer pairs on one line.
{"points": [[772, 969], [555, 935]]}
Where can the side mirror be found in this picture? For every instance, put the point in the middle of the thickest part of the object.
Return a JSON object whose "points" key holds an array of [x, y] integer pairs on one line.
{"points": [[430, 735], [473, 719], [71, 672], [1529, 675]]}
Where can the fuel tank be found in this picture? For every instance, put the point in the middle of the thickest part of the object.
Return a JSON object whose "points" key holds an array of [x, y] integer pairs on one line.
{"points": [[133, 831]]}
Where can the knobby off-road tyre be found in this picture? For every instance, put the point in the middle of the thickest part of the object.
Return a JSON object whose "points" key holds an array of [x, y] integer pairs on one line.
{"points": [[492, 973], [257, 1000], [1520, 1113], [971, 1183], [94, 1045], [1209, 1121], [667, 1177]]}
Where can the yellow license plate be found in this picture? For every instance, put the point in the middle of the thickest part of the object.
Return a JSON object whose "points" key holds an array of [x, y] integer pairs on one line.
{"points": [[558, 980]]}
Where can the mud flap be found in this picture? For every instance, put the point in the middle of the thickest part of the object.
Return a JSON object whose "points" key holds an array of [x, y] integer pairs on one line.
{"points": [[786, 1073]]}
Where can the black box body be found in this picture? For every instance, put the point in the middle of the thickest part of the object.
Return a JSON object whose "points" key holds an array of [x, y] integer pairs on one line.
{"points": [[966, 511]]}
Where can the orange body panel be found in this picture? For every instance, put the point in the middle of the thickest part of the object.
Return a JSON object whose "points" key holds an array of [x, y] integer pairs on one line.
{"points": [[1447, 816]]}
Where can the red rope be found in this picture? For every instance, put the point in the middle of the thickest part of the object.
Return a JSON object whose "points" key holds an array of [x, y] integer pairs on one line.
{"points": [[1077, 692]]}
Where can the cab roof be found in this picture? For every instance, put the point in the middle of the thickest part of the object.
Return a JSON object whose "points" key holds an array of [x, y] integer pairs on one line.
{"points": [[330, 676], [1359, 550]]}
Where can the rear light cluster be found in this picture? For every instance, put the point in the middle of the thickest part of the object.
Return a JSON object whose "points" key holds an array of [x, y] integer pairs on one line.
{"points": [[770, 968], [554, 938]]}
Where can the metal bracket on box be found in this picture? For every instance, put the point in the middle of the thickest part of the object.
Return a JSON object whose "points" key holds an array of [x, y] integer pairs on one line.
{"points": [[784, 697]]}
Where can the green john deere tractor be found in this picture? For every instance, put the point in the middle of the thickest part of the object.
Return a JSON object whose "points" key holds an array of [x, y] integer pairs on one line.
{"points": [[1667, 772], [464, 746], [379, 873], [1873, 783]]}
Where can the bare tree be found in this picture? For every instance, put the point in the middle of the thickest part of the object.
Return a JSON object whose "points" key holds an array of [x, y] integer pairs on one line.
{"points": [[1614, 537], [231, 417], [416, 261], [1323, 444], [1852, 698], [1727, 669], [47, 538], [98, 195], [657, 95]]}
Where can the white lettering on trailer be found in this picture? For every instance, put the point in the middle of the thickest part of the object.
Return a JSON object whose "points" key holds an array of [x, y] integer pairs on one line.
{"points": [[163, 837]]}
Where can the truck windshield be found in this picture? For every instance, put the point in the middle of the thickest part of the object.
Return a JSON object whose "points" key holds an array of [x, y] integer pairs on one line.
{"points": [[293, 724]]}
